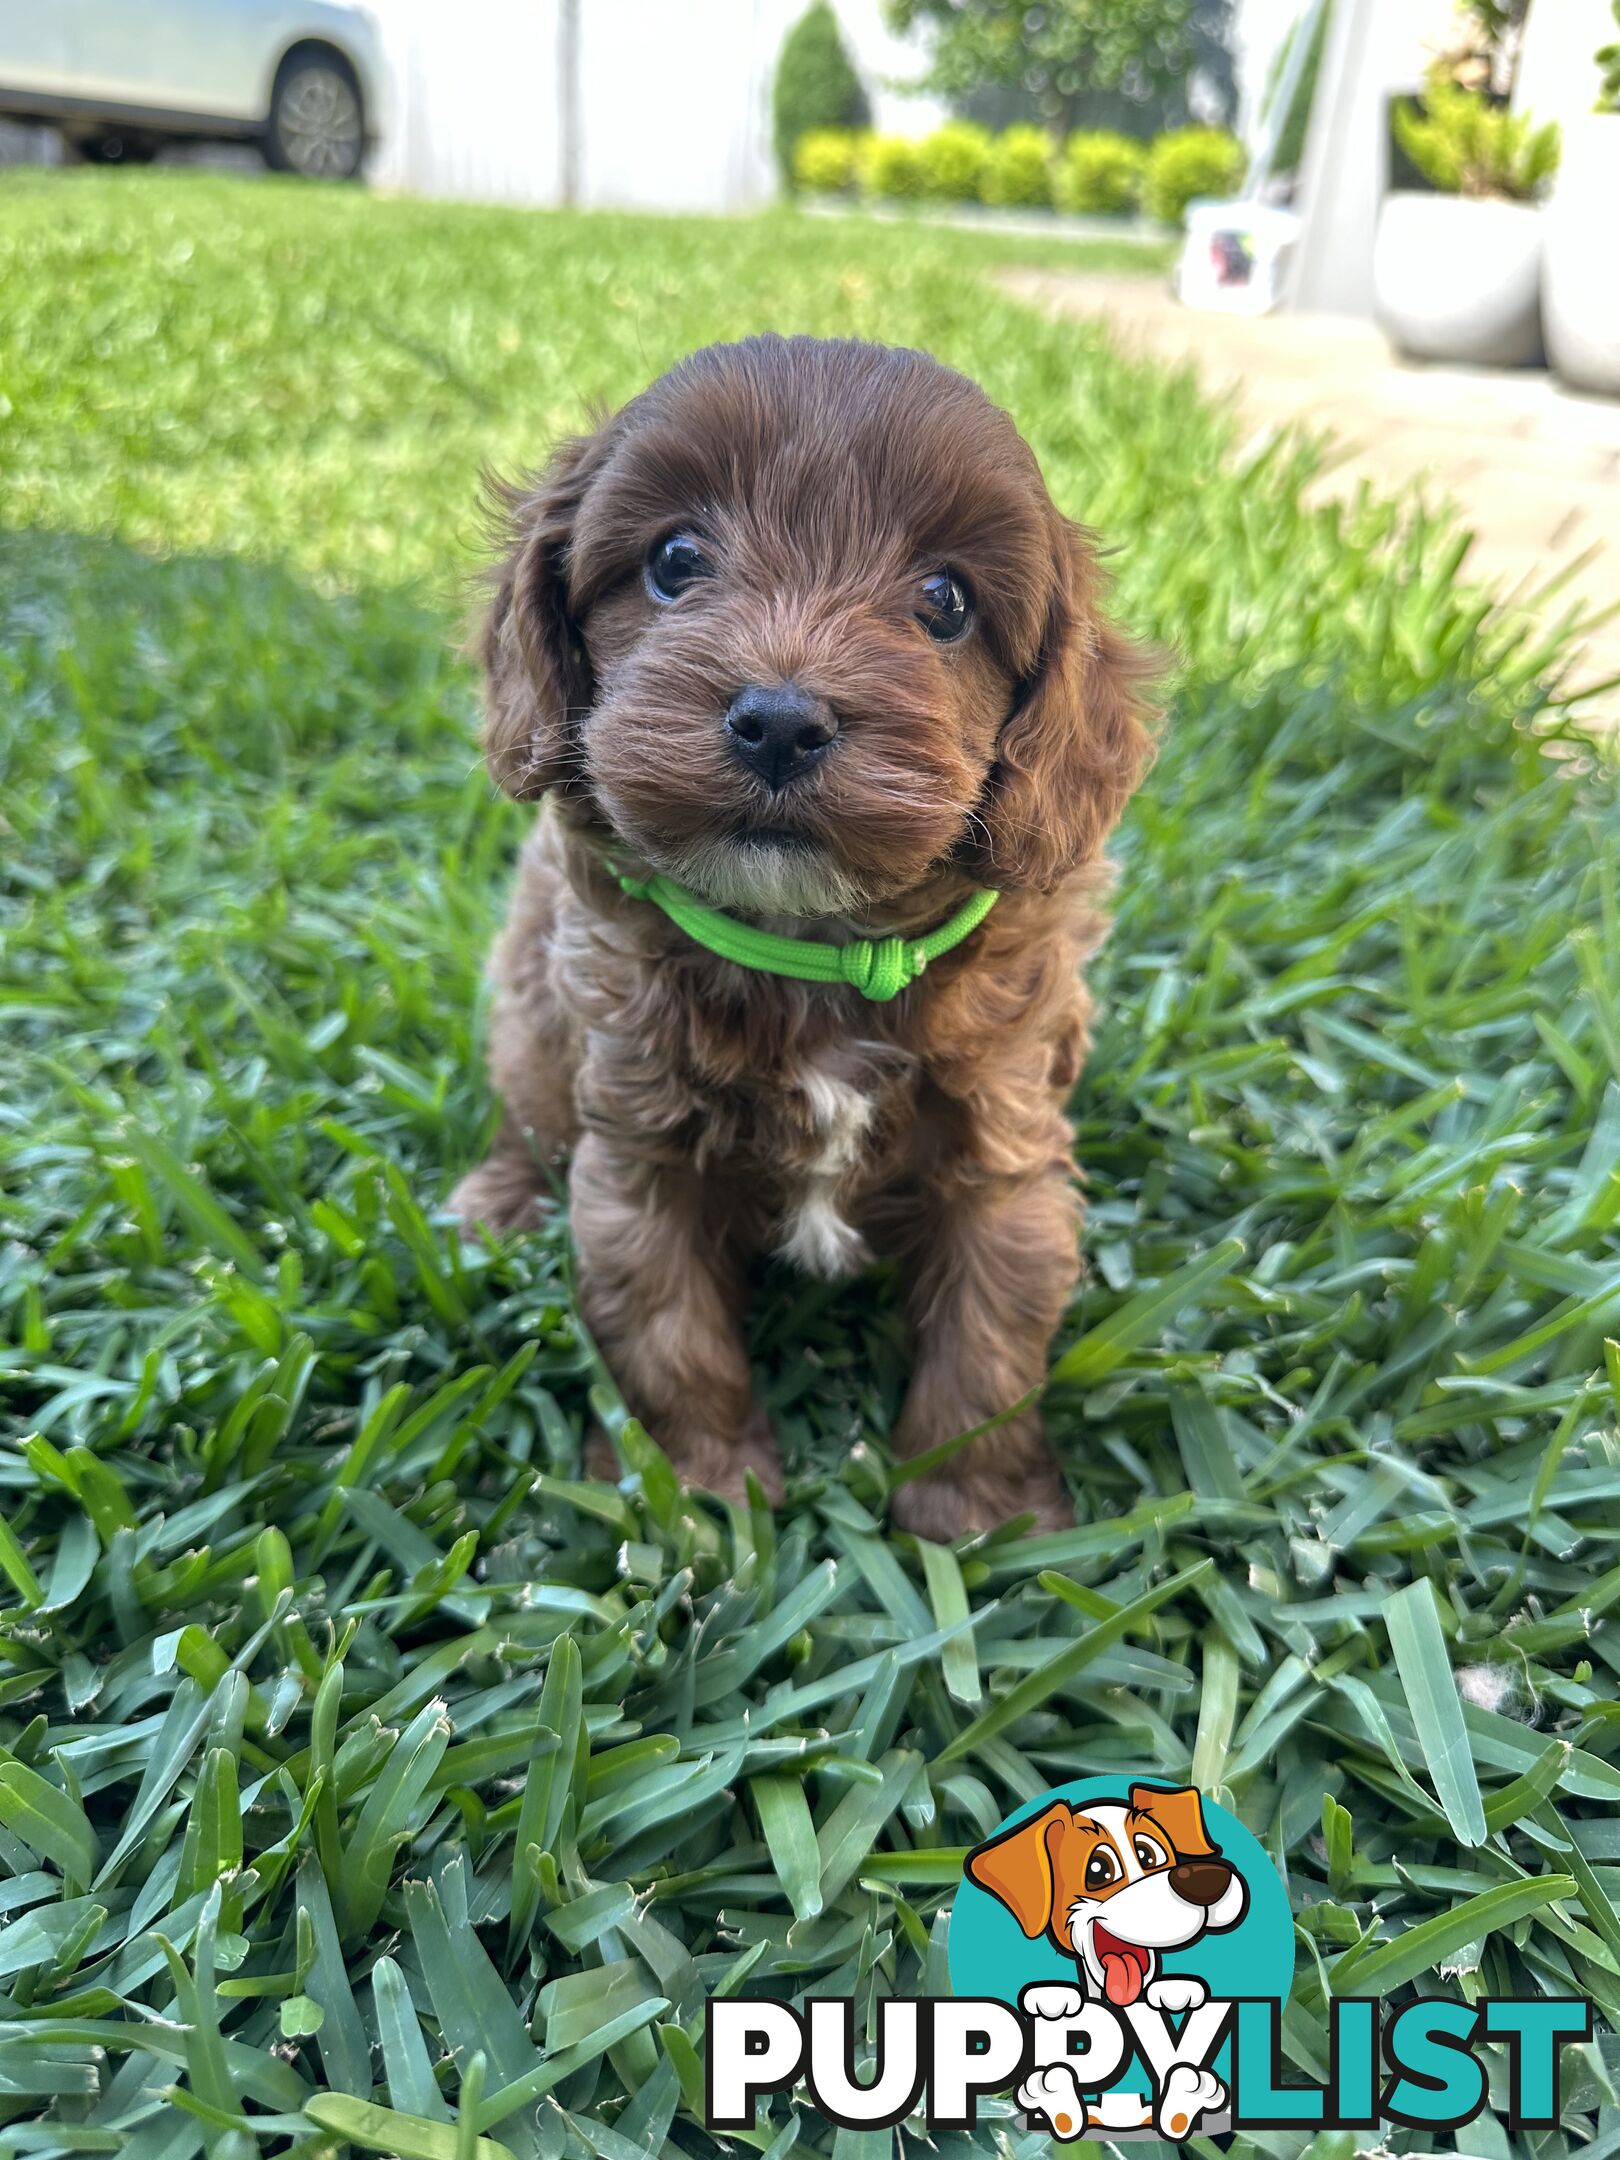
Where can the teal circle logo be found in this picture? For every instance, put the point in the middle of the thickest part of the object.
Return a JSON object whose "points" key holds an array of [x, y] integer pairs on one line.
{"points": [[1115, 1886]]}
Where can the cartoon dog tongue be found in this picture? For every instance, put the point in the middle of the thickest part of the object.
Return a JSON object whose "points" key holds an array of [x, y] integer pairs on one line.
{"points": [[1124, 1969]]}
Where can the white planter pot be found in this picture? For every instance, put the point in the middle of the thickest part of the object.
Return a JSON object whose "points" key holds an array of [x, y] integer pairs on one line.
{"points": [[1582, 289], [1459, 280]]}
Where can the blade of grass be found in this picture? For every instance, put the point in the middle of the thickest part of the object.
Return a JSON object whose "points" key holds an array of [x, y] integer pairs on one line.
{"points": [[1413, 1620]]}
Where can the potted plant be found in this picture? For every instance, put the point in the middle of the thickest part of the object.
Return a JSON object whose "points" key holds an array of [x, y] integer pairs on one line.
{"points": [[1457, 273], [1582, 293]]}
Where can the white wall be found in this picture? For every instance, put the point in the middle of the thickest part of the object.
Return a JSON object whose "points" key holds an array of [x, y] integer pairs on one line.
{"points": [[475, 99], [666, 101]]}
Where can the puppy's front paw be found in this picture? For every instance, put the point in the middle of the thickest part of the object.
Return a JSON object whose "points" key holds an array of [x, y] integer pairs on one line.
{"points": [[1051, 1999], [1188, 2093], [704, 1461], [722, 1467], [943, 1507], [710, 1462], [932, 1508], [1177, 1994], [501, 1195], [1054, 2095]]}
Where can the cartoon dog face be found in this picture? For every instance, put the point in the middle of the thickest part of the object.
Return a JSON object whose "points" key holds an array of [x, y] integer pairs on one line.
{"points": [[1114, 1885]]}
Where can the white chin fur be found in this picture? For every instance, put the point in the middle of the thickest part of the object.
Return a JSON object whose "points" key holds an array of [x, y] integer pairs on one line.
{"points": [[766, 877]]}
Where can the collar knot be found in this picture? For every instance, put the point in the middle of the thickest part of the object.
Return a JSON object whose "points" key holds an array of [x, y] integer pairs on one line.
{"points": [[880, 968]]}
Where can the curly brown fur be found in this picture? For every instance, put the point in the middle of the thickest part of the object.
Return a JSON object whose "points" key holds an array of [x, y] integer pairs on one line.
{"points": [[708, 1113]]}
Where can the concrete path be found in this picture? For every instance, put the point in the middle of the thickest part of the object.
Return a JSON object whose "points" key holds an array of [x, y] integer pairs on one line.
{"points": [[1534, 469]]}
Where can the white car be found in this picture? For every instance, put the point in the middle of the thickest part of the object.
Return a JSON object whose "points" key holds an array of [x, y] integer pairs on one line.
{"points": [[304, 79]]}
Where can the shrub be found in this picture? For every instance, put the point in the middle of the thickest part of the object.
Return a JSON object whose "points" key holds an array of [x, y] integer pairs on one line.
{"points": [[1099, 171], [890, 165], [1608, 60], [1189, 163], [1019, 168], [1467, 146], [952, 160], [816, 86], [826, 160]]}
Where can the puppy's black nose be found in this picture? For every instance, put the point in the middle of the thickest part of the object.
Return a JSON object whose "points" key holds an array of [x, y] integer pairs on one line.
{"points": [[778, 731], [1200, 1882]]}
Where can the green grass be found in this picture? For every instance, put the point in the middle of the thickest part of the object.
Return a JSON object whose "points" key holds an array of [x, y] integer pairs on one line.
{"points": [[355, 1755]]}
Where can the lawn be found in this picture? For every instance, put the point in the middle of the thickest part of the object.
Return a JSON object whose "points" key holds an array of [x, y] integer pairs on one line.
{"points": [[354, 1755]]}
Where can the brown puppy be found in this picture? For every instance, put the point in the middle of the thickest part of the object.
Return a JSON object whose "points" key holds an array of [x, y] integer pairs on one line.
{"points": [[801, 628]]}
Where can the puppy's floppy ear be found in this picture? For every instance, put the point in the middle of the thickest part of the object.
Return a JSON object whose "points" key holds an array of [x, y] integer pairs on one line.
{"points": [[537, 673], [1017, 1868], [1077, 741], [1180, 1815]]}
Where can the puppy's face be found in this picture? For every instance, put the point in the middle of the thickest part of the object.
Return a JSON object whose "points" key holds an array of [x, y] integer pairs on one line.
{"points": [[801, 627]]}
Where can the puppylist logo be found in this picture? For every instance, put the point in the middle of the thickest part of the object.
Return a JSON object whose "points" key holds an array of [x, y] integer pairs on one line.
{"points": [[1120, 1953]]}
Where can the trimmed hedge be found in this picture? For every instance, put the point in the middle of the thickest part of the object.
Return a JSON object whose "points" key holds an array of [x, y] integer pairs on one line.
{"points": [[826, 160], [890, 165], [954, 160], [1189, 163], [1100, 173], [1019, 174], [1094, 171]]}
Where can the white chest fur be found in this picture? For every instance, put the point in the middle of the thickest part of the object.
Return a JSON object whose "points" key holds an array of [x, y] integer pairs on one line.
{"points": [[815, 1235]]}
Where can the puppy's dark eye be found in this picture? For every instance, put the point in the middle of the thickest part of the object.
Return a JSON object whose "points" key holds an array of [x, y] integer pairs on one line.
{"points": [[944, 608], [674, 564], [1101, 1869]]}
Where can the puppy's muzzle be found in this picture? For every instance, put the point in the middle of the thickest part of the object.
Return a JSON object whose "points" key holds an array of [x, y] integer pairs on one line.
{"points": [[1200, 1882], [779, 732]]}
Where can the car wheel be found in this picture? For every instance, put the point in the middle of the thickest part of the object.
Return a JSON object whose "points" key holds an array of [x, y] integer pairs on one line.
{"points": [[316, 128], [111, 148]]}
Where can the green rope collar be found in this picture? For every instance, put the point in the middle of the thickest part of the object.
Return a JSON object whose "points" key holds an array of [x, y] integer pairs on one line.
{"points": [[879, 968]]}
